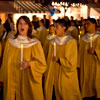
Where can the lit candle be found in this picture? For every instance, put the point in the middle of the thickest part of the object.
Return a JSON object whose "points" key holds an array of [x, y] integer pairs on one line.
{"points": [[54, 49], [21, 54], [90, 41], [79, 27], [79, 38], [53, 34]]}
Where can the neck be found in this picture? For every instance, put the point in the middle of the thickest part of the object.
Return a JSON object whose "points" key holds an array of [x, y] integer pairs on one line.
{"points": [[23, 35], [61, 35], [92, 31]]}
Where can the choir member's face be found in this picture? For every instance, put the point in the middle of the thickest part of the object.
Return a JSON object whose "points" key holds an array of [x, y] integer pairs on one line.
{"points": [[52, 30], [89, 26], [60, 30], [23, 27]]}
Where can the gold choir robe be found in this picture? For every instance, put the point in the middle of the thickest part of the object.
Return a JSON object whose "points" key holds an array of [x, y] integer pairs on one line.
{"points": [[73, 31], [0, 49], [42, 34], [23, 84], [47, 44], [89, 66], [63, 77]]}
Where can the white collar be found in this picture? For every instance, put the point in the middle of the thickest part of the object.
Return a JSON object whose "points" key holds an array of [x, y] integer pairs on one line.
{"points": [[50, 37], [62, 40], [87, 36], [27, 42]]}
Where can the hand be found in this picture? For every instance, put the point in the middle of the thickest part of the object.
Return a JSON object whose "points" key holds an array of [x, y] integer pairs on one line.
{"points": [[24, 64], [91, 51], [55, 58]]}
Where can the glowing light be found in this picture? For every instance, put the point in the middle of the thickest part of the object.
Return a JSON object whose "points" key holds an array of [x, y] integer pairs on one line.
{"points": [[61, 3], [79, 27], [79, 36], [90, 37], [53, 3]]}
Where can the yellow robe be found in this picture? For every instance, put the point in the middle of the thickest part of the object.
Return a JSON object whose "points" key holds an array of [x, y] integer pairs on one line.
{"points": [[89, 69], [63, 77], [0, 54], [73, 32], [47, 44], [3, 42], [25, 84], [42, 35], [46, 48], [1, 30]]}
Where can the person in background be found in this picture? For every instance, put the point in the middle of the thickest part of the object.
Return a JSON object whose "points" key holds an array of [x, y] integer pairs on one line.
{"points": [[0, 22], [46, 22], [50, 36], [35, 22], [23, 64], [73, 31], [42, 32]]}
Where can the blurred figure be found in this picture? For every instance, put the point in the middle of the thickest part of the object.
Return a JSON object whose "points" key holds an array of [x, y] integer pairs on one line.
{"points": [[12, 22], [73, 31], [71, 18], [49, 37], [46, 22], [0, 22], [35, 22], [42, 31]]}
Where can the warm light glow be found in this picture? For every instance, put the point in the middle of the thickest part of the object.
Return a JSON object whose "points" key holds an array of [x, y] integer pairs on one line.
{"points": [[48, 30], [79, 36], [61, 3], [66, 4], [54, 43], [21, 45], [53, 3], [90, 37], [53, 34], [79, 27]]}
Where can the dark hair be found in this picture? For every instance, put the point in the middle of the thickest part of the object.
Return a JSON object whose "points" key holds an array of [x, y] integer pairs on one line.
{"points": [[63, 23], [51, 25], [27, 20], [42, 21], [92, 20]]}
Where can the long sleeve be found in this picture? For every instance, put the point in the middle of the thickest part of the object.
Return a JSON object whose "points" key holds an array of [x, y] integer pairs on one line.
{"points": [[38, 63], [97, 49], [69, 62]]}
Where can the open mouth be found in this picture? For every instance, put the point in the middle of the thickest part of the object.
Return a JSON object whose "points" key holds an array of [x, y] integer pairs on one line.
{"points": [[22, 29]]}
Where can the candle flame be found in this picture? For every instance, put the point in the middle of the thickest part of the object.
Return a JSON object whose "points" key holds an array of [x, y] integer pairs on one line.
{"points": [[79, 27], [79, 36], [54, 43], [53, 34], [80, 32], [48, 30], [21, 45], [91, 37]]}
